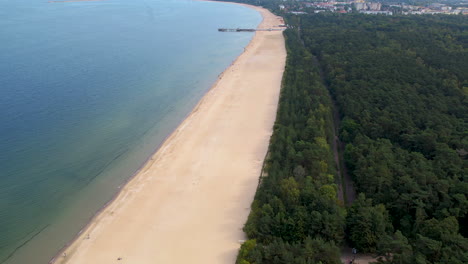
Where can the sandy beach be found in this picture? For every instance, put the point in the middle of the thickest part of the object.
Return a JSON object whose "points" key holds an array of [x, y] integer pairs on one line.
{"points": [[188, 204]]}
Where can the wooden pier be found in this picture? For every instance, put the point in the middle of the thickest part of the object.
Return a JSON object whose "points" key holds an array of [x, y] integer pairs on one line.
{"points": [[248, 29]]}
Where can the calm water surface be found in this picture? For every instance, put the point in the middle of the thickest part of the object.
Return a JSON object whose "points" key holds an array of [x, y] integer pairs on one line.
{"points": [[88, 91]]}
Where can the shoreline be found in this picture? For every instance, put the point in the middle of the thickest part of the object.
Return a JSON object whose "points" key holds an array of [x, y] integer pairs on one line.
{"points": [[96, 222], [55, 258]]}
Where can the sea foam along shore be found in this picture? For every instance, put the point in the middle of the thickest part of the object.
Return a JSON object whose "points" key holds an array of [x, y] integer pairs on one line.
{"points": [[189, 202]]}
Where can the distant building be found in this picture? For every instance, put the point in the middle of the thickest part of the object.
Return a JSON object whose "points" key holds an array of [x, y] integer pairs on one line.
{"points": [[367, 6], [388, 13], [360, 6], [374, 6], [462, 10], [436, 6], [298, 13]]}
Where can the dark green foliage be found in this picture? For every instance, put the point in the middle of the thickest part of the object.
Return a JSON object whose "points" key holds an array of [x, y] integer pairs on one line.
{"points": [[400, 84], [310, 251], [437, 242], [296, 217], [395, 249], [440, 242], [367, 224]]}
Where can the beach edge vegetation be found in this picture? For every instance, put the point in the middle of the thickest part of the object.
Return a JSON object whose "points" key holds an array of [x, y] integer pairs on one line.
{"points": [[400, 86]]}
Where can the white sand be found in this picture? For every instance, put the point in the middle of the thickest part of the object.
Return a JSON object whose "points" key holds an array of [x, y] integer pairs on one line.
{"points": [[190, 201]]}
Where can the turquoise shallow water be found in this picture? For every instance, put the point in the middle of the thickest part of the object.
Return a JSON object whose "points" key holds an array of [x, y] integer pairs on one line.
{"points": [[88, 91]]}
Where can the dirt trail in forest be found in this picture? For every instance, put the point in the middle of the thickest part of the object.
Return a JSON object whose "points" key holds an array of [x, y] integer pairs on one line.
{"points": [[346, 191]]}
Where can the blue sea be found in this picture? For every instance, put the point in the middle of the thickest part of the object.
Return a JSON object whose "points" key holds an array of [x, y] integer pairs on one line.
{"points": [[88, 91]]}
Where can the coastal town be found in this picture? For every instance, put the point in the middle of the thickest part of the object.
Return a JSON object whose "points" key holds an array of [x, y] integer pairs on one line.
{"points": [[373, 8]]}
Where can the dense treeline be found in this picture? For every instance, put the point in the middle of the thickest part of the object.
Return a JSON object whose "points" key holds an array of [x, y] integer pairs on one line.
{"points": [[401, 84], [296, 217]]}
